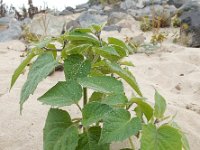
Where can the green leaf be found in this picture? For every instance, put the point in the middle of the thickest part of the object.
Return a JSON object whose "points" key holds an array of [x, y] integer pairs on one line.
{"points": [[40, 69], [119, 126], [43, 43], [127, 63], [184, 139], [115, 100], [59, 132], [62, 94], [127, 76], [120, 43], [83, 30], [89, 140], [94, 112], [185, 142], [145, 107], [112, 40], [21, 68], [138, 112], [53, 49], [96, 96], [120, 50], [101, 67], [163, 138], [97, 28], [71, 49], [160, 106], [104, 84], [107, 52], [84, 37], [76, 67]]}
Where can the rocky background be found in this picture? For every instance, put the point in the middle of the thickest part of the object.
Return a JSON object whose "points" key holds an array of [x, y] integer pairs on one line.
{"points": [[35, 23]]}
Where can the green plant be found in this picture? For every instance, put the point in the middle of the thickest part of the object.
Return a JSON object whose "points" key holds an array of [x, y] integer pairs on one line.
{"points": [[158, 38], [108, 115], [176, 21], [159, 19], [28, 36], [145, 24]]}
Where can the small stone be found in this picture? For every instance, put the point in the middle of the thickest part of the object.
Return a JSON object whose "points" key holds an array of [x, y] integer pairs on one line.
{"points": [[178, 87]]}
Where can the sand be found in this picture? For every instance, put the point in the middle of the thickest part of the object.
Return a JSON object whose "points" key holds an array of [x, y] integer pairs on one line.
{"points": [[172, 69]]}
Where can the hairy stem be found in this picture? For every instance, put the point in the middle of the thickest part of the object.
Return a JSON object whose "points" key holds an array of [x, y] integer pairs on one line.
{"points": [[131, 143]]}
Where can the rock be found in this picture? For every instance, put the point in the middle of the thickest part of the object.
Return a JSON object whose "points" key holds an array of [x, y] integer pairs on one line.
{"points": [[115, 17], [108, 8], [93, 11], [69, 8], [190, 27], [134, 13], [157, 10], [83, 6], [87, 19], [140, 4], [172, 9], [11, 29], [147, 11], [65, 13], [178, 3], [97, 7], [26, 22], [46, 24], [190, 6], [72, 25], [80, 10], [138, 40], [128, 4], [5, 20], [128, 23], [112, 28], [154, 2], [178, 87]]}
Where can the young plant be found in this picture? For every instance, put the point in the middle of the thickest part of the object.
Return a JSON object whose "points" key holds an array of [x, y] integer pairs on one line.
{"points": [[108, 115], [28, 36], [145, 24], [176, 21], [158, 38]]}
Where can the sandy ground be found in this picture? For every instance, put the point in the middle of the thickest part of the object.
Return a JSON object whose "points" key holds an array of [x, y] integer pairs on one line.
{"points": [[172, 69]]}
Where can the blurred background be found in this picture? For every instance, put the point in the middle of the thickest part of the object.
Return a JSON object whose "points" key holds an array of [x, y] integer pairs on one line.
{"points": [[58, 4]]}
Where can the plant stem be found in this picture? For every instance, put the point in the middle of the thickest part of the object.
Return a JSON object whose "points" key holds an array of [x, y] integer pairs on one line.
{"points": [[84, 96], [131, 143], [84, 102], [79, 107]]}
